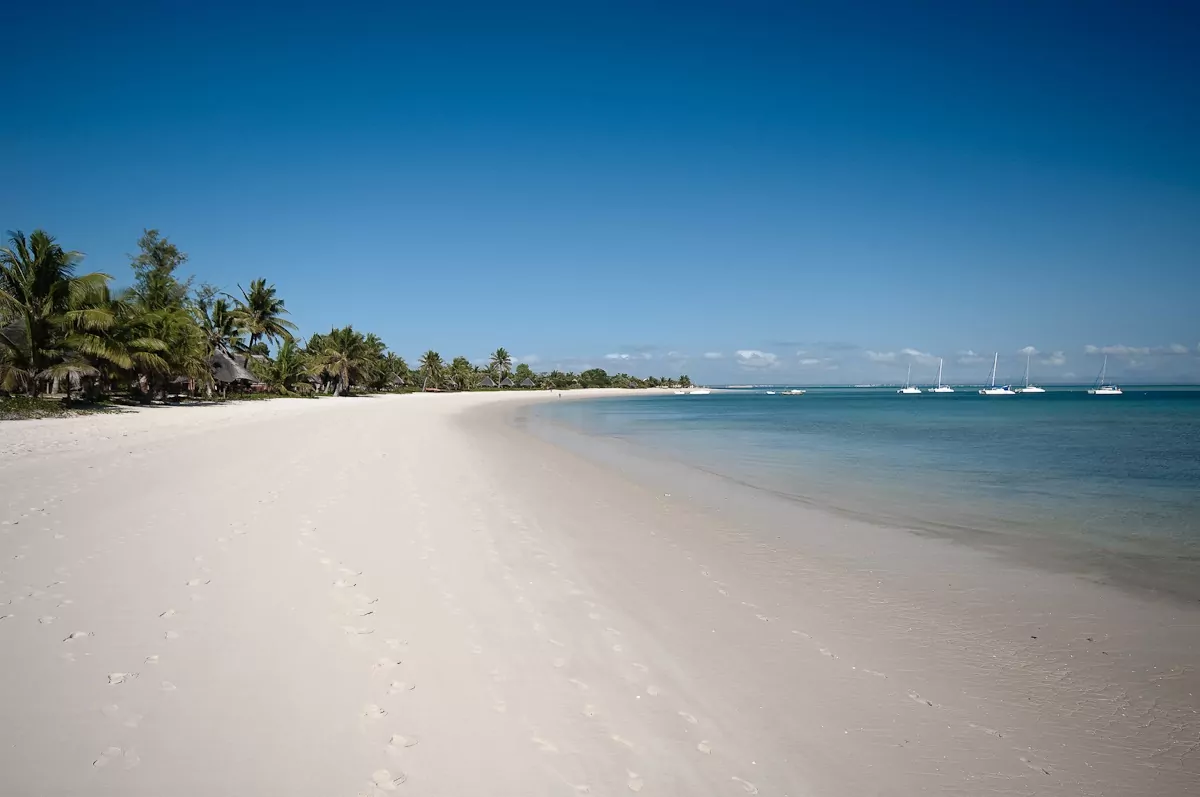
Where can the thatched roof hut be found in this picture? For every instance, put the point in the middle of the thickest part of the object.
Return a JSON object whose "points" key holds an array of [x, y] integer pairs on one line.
{"points": [[506, 382], [527, 382], [229, 368], [486, 381]]}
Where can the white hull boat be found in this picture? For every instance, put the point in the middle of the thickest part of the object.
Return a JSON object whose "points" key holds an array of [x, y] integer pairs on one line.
{"points": [[1102, 388], [992, 390], [940, 387]]}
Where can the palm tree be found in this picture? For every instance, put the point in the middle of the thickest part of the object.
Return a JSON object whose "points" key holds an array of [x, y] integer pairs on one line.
{"points": [[38, 289], [432, 368], [285, 370], [261, 313], [345, 355], [463, 373], [502, 362]]}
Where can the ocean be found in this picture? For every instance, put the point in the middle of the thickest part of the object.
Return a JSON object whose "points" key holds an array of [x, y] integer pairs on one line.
{"points": [[1109, 485]]}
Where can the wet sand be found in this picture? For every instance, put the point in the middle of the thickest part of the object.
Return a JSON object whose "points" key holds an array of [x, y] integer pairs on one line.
{"points": [[415, 594]]}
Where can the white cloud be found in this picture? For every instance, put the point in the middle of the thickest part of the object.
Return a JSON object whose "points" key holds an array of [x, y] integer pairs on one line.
{"points": [[923, 357], [881, 356], [755, 359], [969, 357], [1121, 350], [645, 355], [1028, 350], [676, 355], [811, 361], [528, 359], [1054, 358], [713, 355], [615, 356]]}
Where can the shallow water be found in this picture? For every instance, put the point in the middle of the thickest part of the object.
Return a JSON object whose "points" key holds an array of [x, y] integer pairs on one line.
{"points": [[1110, 479]]}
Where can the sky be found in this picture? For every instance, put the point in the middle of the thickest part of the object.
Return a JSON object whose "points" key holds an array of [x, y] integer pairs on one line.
{"points": [[747, 192]]}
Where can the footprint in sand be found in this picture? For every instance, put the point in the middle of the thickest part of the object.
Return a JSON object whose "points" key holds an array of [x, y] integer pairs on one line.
{"points": [[374, 712], [383, 780], [167, 686], [635, 782], [171, 635], [399, 742], [746, 785], [652, 690], [357, 631], [691, 719], [115, 755], [398, 687], [196, 582], [47, 619], [151, 659], [115, 678], [543, 745], [704, 746], [342, 583], [168, 613]]}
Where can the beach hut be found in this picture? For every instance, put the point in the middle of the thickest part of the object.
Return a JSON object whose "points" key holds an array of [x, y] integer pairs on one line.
{"points": [[527, 382], [486, 381], [231, 369], [506, 382]]}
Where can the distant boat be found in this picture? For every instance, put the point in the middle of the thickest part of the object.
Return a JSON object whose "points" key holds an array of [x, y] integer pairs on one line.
{"points": [[770, 392], [700, 391], [1101, 387], [908, 389], [680, 392], [1028, 387], [940, 387], [795, 392], [993, 390]]}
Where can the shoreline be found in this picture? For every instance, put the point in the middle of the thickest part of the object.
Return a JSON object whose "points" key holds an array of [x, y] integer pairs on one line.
{"points": [[466, 607]]}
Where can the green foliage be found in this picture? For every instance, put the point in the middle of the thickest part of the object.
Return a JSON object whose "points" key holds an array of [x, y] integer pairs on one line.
{"points": [[59, 330]]}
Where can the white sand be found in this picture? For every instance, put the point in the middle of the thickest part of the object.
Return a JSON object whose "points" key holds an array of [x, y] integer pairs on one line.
{"points": [[407, 594]]}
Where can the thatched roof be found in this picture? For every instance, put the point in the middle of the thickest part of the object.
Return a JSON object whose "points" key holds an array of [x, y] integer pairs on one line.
{"points": [[486, 382], [398, 381], [527, 382], [229, 368], [506, 382]]}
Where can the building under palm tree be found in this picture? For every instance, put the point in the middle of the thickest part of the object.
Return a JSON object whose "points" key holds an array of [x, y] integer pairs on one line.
{"points": [[527, 382], [487, 381], [506, 382]]}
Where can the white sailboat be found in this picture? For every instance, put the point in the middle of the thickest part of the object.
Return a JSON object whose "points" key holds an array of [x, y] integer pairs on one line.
{"points": [[993, 390], [1102, 388], [940, 387], [1028, 387], [908, 389], [701, 391]]}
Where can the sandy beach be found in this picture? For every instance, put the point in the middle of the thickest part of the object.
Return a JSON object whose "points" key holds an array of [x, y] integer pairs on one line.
{"points": [[416, 594]]}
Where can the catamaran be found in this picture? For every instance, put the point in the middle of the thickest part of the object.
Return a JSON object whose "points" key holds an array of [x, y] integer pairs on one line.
{"points": [[940, 387], [1028, 387], [993, 390], [908, 389], [1102, 388]]}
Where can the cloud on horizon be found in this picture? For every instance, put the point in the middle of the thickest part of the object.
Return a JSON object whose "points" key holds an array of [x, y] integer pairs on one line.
{"points": [[713, 355], [1121, 350], [755, 360]]}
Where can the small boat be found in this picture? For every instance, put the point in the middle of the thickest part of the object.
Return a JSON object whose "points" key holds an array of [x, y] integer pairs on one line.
{"points": [[1101, 387], [908, 389], [993, 390], [940, 387], [770, 392], [700, 391], [680, 392], [796, 392], [1028, 387]]}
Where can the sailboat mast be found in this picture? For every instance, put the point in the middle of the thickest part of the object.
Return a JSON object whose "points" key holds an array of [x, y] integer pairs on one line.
{"points": [[908, 378], [995, 362], [1028, 357], [1104, 370], [939, 372]]}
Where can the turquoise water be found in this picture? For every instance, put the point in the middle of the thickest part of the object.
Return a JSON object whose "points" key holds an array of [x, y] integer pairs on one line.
{"points": [[1111, 475]]}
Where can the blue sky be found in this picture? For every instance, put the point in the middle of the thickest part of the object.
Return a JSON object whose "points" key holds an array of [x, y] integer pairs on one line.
{"points": [[637, 185]]}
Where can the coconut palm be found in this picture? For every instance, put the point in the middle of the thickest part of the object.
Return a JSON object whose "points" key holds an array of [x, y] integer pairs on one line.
{"points": [[38, 288], [261, 312], [432, 369], [286, 369], [344, 354], [462, 373], [502, 362]]}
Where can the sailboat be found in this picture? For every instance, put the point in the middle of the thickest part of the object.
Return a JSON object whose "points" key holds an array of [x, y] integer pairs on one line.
{"points": [[940, 387], [1102, 388], [993, 390], [1028, 387], [908, 389]]}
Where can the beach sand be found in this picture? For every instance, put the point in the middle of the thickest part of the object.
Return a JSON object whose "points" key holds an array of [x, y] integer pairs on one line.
{"points": [[415, 594]]}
